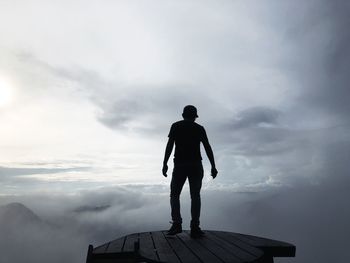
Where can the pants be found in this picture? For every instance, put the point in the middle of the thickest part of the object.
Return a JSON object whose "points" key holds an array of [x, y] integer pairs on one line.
{"points": [[194, 173]]}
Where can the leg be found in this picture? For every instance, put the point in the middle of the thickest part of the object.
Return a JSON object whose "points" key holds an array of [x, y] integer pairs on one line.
{"points": [[195, 181], [177, 183]]}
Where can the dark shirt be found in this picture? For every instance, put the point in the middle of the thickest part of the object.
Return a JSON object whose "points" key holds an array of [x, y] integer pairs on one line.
{"points": [[187, 136]]}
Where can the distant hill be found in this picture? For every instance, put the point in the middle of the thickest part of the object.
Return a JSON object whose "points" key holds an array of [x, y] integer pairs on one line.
{"points": [[26, 237], [17, 213]]}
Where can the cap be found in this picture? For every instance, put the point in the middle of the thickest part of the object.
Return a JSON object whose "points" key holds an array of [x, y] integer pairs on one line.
{"points": [[190, 111]]}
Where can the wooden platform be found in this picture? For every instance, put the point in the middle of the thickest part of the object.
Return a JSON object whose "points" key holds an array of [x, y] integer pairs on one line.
{"points": [[214, 247]]}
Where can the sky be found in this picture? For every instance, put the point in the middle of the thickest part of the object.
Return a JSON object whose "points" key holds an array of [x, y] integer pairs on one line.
{"points": [[89, 89]]}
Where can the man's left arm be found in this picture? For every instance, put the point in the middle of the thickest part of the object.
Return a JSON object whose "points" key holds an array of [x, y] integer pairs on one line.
{"points": [[210, 154]]}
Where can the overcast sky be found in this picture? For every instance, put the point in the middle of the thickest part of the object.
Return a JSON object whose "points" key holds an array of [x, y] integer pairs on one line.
{"points": [[89, 89]]}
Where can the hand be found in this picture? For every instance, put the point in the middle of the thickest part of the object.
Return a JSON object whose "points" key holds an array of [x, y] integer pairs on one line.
{"points": [[165, 169], [214, 172]]}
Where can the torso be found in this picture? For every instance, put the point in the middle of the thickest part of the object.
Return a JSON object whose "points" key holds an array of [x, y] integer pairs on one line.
{"points": [[187, 136]]}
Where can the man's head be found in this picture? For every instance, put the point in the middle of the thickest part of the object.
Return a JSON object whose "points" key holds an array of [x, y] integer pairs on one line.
{"points": [[190, 113]]}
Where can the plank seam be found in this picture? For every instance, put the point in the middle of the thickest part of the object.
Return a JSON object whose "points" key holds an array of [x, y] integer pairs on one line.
{"points": [[269, 245], [171, 247], [245, 241], [229, 251], [238, 245], [123, 244], [154, 246], [106, 249], [138, 241], [207, 248], [189, 248]]}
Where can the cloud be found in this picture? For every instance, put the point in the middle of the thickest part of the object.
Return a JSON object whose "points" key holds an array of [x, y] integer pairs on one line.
{"points": [[255, 104], [257, 131], [26, 178], [255, 116], [125, 210], [19, 230], [318, 54], [200, 58], [126, 107], [16, 171], [314, 217], [270, 81]]}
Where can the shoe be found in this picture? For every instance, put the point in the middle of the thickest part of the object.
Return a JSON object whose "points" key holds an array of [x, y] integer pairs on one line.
{"points": [[196, 232], [175, 229]]}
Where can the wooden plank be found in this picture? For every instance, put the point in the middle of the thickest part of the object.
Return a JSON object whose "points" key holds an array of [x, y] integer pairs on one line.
{"points": [[222, 254], [183, 252], [129, 242], [202, 253], [116, 245], [270, 246], [164, 250], [261, 241], [101, 249], [239, 243], [147, 246]]}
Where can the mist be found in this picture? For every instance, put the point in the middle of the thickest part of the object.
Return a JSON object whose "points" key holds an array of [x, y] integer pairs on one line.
{"points": [[95, 87], [315, 218]]}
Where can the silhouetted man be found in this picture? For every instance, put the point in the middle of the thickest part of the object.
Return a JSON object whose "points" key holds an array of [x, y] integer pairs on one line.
{"points": [[187, 136]]}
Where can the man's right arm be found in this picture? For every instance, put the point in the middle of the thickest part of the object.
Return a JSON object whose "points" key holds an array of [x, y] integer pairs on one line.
{"points": [[168, 150]]}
